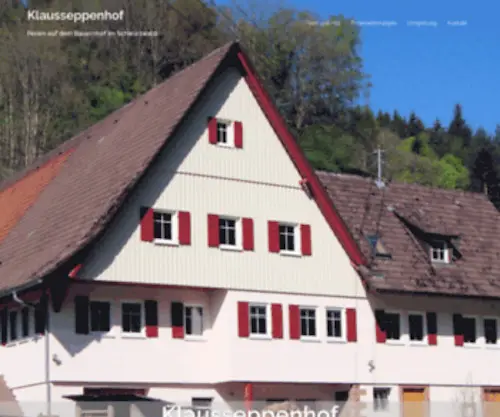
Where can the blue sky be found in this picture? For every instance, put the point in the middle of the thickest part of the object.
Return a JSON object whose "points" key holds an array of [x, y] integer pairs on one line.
{"points": [[427, 69]]}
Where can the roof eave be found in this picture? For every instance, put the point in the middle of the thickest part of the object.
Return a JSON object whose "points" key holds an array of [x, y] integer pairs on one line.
{"points": [[394, 291]]}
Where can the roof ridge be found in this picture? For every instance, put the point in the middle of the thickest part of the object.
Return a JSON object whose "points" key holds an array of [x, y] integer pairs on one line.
{"points": [[402, 183]]}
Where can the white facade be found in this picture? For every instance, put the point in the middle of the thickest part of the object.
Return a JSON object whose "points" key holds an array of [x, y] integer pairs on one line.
{"points": [[259, 182]]}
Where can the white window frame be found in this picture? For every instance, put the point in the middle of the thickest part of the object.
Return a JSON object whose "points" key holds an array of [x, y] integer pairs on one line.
{"points": [[445, 251], [127, 335], [385, 405], [343, 324], [424, 340], [175, 228], [229, 133], [101, 300], [315, 309], [19, 326], [399, 341], [296, 239], [267, 310], [477, 320], [497, 321], [238, 246], [203, 318]]}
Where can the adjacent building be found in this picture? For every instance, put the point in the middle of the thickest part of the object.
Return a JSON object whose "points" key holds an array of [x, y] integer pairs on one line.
{"points": [[183, 250]]}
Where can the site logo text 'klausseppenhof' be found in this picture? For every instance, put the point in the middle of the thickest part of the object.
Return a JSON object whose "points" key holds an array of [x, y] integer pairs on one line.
{"points": [[75, 16], [176, 411]]}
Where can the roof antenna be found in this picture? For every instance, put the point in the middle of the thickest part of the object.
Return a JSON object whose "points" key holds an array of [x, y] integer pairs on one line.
{"points": [[379, 182]]}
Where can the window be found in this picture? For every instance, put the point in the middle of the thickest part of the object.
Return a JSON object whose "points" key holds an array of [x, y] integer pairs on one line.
{"points": [[193, 320], [227, 232], [202, 406], [258, 320], [490, 331], [392, 326], [308, 322], [222, 132], [276, 400], [469, 329], [13, 325], [100, 316], [163, 226], [381, 399], [439, 251], [416, 327], [378, 248], [334, 323], [132, 317], [25, 322], [287, 238]]}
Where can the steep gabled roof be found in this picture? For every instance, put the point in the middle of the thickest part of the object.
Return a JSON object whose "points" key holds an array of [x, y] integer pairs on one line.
{"points": [[103, 164], [399, 212]]}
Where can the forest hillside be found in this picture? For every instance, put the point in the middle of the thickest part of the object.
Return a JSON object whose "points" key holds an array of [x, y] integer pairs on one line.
{"points": [[54, 87]]}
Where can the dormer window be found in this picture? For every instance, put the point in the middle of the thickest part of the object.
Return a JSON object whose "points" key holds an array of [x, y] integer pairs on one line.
{"points": [[440, 252]]}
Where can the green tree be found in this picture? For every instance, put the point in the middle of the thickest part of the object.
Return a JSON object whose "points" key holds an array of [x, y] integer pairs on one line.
{"points": [[399, 125], [313, 71], [329, 148], [458, 127], [453, 173], [415, 125], [485, 171]]}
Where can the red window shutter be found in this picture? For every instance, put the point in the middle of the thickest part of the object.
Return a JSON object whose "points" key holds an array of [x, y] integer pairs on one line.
{"points": [[151, 318], [431, 328], [243, 319], [213, 230], [247, 226], [212, 130], [379, 324], [305, 235], [238, 135], [352, 333], [277, 320], [457, 330], [177, 318], [273, 230], [147, 224], [294, 318], [184, 218]]}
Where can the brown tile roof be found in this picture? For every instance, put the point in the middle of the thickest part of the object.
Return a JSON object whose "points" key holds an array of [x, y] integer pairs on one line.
{"points": [[16, 199], [72, 207], [397, 212]]}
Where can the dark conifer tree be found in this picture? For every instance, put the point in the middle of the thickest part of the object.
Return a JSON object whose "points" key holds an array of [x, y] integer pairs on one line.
{"points": [[458, 127], [415, 125], [484, 171], [399, 125]]}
